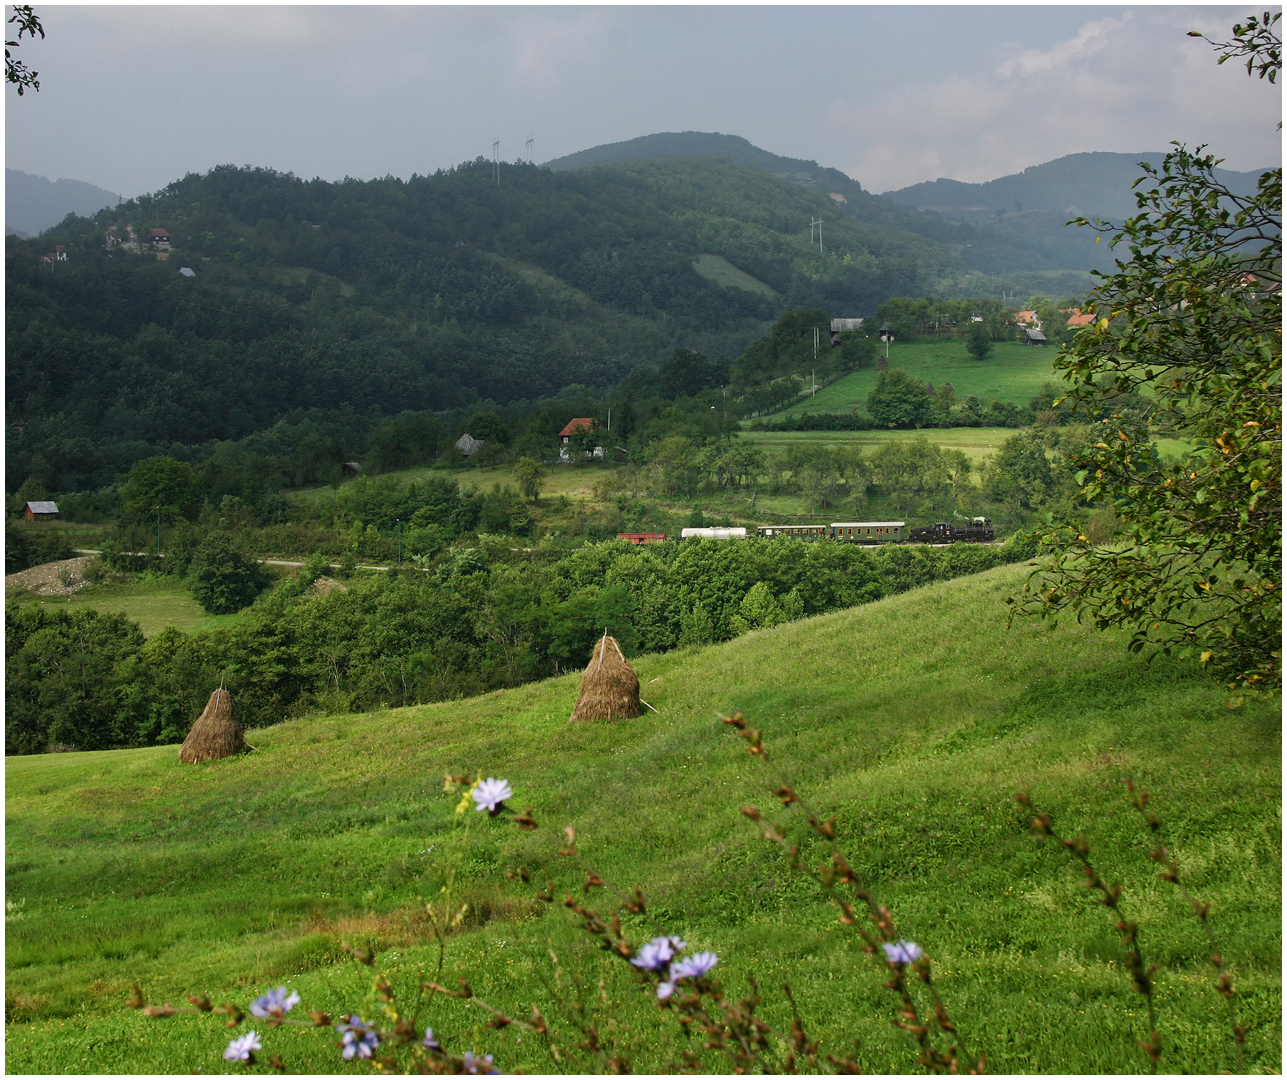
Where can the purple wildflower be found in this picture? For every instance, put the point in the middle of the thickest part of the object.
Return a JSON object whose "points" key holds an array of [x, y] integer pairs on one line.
{"points": [[429, 1042], [274, 1003], [243, 1049], [490, 795], [665, 989], [694, 967], [359, 1039], [903, 952], [480, 1066], [658, 953]]}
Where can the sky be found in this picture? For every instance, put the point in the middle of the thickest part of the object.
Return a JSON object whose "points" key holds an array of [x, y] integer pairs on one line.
{"points": [[134, 97]]}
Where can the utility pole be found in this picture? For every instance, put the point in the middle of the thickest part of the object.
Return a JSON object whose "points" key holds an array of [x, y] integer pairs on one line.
{"points": [[398, 522], [158, 532], [496, 159], [818, 224]]}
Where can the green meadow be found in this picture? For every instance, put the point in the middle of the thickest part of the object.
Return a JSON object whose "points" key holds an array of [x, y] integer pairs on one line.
{"points": [[913, 720], [1014, 374], [152, 604]]}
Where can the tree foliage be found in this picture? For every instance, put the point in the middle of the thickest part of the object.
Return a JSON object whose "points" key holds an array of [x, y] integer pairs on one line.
{"points": [[223, 578], [899, 400], [1193, 319], [16, 71]]}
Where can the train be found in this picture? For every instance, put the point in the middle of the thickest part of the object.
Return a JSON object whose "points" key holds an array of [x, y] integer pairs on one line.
{"points": [[977, 530]]}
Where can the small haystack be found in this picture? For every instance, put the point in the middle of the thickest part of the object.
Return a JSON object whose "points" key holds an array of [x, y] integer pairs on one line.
{"points": [[609, 689], [215, 734]]}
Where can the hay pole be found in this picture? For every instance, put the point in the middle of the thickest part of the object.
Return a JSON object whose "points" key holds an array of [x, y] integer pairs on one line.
{"points": [[602, 646], [657, 711]]}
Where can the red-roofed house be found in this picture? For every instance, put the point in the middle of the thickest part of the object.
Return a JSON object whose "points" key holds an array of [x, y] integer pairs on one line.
{"points": [[574, 425], [1076, 318], [1023, 318], [160, 237]]}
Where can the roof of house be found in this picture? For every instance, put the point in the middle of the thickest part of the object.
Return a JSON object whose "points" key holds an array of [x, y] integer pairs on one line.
{"points": [[43, 507], [1024, 316], [1078, 319], [579, 422], [1035, 335], [158, 232]]}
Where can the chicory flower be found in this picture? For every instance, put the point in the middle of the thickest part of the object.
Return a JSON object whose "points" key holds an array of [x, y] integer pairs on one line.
{"points": [[490, 795]]}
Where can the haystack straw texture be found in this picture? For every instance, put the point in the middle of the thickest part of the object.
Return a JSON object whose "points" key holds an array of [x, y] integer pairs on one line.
{"points": [[609, 689], [215, 734]]}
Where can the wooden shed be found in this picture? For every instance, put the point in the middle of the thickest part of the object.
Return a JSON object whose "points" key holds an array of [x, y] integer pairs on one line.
{"points": [[40, 511]]}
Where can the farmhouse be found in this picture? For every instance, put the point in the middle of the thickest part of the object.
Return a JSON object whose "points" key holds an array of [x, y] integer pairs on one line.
{"points": [[572, 426], [160, 238]]}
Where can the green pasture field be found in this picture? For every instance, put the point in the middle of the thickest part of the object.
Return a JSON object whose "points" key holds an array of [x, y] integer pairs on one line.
{"points": [[153, 606], [1014, 373], [974, 443], [912, 721]]}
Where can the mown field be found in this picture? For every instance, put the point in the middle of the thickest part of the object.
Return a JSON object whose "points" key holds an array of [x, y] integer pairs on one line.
{"points": [[1014, 373], [913, 721], [153, 605], [974, 443]]}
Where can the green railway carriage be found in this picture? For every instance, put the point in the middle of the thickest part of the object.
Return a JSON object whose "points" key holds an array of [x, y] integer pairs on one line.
{"points": [[794, 532], [869, 532]]}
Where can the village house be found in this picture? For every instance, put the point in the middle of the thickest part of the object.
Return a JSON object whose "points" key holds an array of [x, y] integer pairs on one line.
{"points": [[580, 422], [160, 239]]}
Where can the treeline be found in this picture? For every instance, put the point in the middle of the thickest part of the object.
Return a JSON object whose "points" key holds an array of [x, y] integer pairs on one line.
{"points": [[476, 621]]}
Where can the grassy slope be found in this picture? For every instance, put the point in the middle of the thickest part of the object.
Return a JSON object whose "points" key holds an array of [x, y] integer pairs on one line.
{"points": [[1013, 373], [719, 270], [913, 720]]}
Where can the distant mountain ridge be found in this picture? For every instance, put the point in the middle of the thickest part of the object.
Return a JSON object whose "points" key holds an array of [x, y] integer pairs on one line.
{"points": [[1096, 184], [1026, 210], [33, 204]]}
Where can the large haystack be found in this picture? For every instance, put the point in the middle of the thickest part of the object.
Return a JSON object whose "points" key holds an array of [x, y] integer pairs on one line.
{"points": [[609, 689], [215, 734]]}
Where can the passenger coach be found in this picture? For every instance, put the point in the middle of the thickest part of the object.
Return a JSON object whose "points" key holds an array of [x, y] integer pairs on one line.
{"points": [[869, 532]]}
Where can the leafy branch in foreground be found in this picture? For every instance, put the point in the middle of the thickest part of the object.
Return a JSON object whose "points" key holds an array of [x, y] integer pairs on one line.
{"points": [[1257, 39], [1192, 320], [15, 71]]}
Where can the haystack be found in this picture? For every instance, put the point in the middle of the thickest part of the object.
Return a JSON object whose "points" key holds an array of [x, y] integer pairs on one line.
{"points": [[609, 689], [215, 734]]}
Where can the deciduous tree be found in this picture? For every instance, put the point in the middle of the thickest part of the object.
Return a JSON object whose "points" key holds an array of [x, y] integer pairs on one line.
{"points": [[1193, 318]]}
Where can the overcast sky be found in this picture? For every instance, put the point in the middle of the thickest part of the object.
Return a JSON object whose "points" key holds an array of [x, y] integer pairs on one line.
{"points": [[132, 98]]}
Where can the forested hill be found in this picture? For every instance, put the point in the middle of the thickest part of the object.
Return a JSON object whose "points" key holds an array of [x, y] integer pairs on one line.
{"points": [[1095, 184], [679, 145], [1031, 208], [34, 203], [383, 295]]}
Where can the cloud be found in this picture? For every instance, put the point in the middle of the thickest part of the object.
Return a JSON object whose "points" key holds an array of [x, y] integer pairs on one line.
{"points": [[210, 28], [1128, 83], [548, 51]]}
